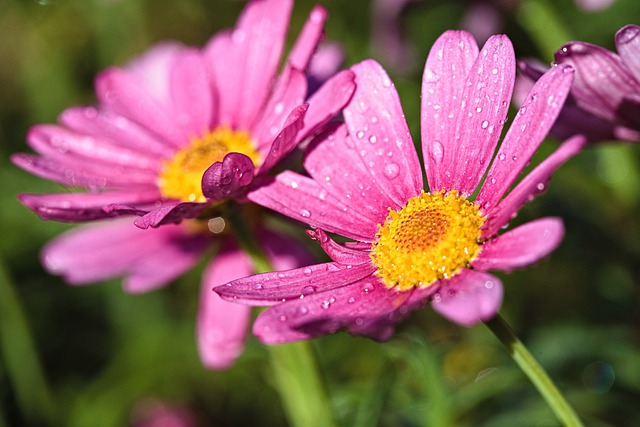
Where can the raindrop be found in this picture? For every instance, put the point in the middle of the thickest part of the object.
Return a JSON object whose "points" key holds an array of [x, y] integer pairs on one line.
{"points": [[478, 109], [488, 284], [351, 300], [493, 180], [303, 310], [494, 71], [359, 321], [502, 156], [540, 186], [373, 139], [391, 170], [280, 275], [437, 151], [485, 124], [367, 287], [308, 289], [360, 134], [307, 271], [522, 111], [304, 213], [278, 108], [294, 184], [283, 318]]}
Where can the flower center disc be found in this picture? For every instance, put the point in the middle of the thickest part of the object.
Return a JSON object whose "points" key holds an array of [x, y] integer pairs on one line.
{"points": [[431, 238], [181, 176]]}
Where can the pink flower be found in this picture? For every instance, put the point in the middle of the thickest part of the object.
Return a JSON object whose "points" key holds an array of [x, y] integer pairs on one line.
{"points": [[177, 132], [410, 247], [604, 103]]}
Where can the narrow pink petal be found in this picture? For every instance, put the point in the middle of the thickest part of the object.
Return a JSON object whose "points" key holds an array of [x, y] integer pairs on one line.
{"points": [[443, 82], [307, 42], [531, 125], [117, 128], [469, 298], [244, 62], [338, 252], [98, 252], [303, 199], [276, 287], [74, 171], [521, 246], [363, 307], [480, 118], [380, 134], [190, 95], [628, 45], [222, 326], [224, 179], [124, 94], [327, 101], [602, 81], [76, 207], [530, 186], [54, 141], [334, 163], [286, 140], [289, 92], [172, 212]]}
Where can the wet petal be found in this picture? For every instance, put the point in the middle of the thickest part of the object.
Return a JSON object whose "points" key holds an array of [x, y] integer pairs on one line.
{"points": [[531, 125], [468, 298], [628, 44], [223, 179], [171, 213], [286, 140]]}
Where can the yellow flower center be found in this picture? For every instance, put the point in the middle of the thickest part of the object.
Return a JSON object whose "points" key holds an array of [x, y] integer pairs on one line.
{"points": [[181, 176], [431, 238]]}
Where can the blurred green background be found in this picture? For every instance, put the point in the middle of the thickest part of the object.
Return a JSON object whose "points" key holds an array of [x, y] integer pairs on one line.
{"points": [[94, 356]]}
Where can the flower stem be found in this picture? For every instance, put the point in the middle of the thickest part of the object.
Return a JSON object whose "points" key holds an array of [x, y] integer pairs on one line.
{"points": [[293, 365], [532, 369]]}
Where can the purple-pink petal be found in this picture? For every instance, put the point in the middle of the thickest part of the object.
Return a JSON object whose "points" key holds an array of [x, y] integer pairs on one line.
{"points": [[276, 287], [479, 117], [380, 135], [443, 82], [531, 185], [307, 42], [222, 326], [628, 46], [303, 199], [147, 259], [287, 139], [531, 125], [224, 179], [522, 246], [469, 298]]}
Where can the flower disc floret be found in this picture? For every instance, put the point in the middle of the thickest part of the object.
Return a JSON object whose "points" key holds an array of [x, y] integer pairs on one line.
{"points": [[433, 237], [181, 176]]}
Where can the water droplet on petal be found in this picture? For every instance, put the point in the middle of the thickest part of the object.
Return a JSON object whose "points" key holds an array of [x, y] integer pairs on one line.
{"points": [[307, 271], [360, 134], [304, 213], [502, 156], [373, 139], [437, 151], [391, 170], [485, 124]]}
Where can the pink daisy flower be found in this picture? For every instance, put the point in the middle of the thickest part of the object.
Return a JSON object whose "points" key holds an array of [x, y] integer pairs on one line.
{"points": [[604, 103], [409, 246], [176, 133]]}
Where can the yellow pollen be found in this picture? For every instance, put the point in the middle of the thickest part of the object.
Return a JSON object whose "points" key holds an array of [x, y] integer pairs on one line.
{"points": [[181, 176], [431, 238]]}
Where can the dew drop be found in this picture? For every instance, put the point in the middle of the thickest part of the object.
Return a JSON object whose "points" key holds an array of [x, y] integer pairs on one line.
{"points": [[304, 213], [373, 139], [437, 151], [488, 284], [307, 271], [391, 170], [280, 275], [485, 124], [540, 186], [303, 310], [283, 318], [360, 134], [351, 300], [502, 156]]}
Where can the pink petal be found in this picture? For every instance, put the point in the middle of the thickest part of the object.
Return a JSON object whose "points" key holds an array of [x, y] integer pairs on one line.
{"points": [[288, 93], [124, 94], [77, 207], [190, 95], [173, 212], [73, 171], [364, 307], [118, 129], [531, 125], [602, 82], [307, 42], [276, 287], [468, 298], [530, 186], [628, 45], [147, 259], [380, 134], [521, 246], [244, 62], [443, 82], [303, 199], [478, 119], [325, 63], [223, 179], [333, 162], [222, 326], [327, 102], [286, 140], [57, 142], [337, 252]]}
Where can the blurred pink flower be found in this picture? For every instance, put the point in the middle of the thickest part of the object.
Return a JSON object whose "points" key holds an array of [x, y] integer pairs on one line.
{"points": [[604, 103], [178, 131], [155, 413], [411, 247]]}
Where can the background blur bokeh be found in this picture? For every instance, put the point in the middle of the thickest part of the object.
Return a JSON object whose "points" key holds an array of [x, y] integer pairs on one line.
{"points": [[94, 356]]}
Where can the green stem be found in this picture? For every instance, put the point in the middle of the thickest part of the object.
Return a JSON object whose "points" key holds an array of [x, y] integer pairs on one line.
{"points": [[296, 374], [532, 369]]}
